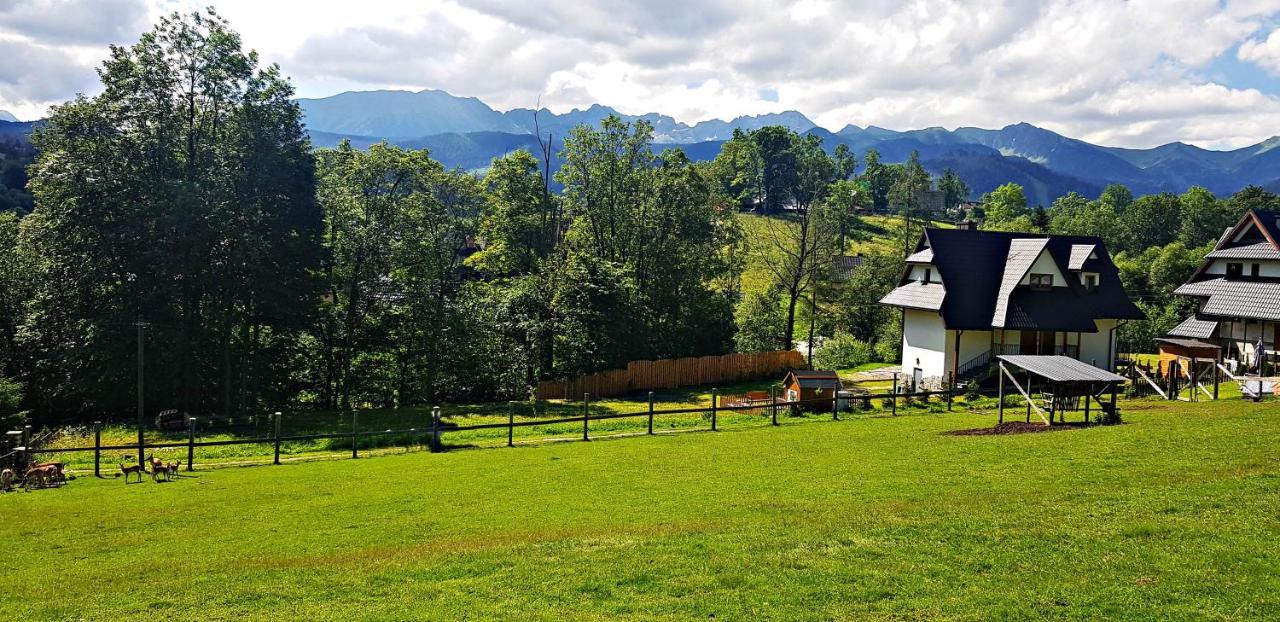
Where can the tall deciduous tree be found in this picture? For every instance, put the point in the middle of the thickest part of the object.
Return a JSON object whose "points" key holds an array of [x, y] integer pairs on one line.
{"points": [[800, 247], [184, 195], [652, 225]]}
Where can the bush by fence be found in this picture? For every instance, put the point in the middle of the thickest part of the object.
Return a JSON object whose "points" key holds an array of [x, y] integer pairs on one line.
{"points": [[672, 373]]}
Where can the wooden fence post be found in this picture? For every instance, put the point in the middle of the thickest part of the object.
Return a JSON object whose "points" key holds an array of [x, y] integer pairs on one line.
{"points": [[773, 404], [191, 442], [893, 396], [435, 428], [651, 412], [835, 404], [1000, 394], [511, 423], [715, 395], [277, 417], [951, 390], [355, 429], [586, 408], [97, 449]]}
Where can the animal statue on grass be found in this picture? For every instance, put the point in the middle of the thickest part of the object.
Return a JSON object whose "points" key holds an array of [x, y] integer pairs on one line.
{"points": [[159, 470], [6, 479], [39, 476], [128, 470]]}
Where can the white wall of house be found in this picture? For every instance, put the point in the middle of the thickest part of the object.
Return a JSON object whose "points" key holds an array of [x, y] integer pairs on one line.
{"points": [[972, 344], [1044, 264], [1244, 337], [918, 273], [1099, 348], [924, 343], [1266, 268]]}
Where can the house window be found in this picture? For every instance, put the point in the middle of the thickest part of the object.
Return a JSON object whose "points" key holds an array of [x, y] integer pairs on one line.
{"points": [[1089, 280], [1255, 270], [1235, 270], [928, 275], [1041, 281]]}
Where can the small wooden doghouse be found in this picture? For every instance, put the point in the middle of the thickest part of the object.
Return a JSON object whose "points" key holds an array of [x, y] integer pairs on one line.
{"points": [[811, 387]]}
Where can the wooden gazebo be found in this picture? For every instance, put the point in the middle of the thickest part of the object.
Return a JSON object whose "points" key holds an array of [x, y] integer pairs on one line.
{"points": [[1064, 384]]}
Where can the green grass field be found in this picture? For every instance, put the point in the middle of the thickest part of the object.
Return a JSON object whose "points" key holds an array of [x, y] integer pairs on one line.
{"points": [[1173, 515]]}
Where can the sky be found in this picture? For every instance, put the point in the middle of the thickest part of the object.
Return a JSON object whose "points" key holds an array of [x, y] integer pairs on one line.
{"points": [[1136, 73]]}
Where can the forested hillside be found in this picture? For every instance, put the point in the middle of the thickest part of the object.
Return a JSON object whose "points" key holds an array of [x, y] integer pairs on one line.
{"points": [[192, 214]]}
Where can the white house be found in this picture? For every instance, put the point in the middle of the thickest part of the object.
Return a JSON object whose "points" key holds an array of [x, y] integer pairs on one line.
{"points": [[967, 296], [1238, 287]]}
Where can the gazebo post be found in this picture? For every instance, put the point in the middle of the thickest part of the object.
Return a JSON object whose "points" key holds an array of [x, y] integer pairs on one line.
{"points": [[1000, 395], [1088, 398], [1028, 397], [1053, 401]]}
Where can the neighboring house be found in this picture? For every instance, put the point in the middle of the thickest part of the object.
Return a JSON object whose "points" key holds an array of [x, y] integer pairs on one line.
{"points": [[1238, 287], [801, 384], [970, 295]]}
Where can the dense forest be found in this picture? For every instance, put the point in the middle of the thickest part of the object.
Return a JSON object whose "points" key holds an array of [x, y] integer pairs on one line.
{"points": [[183, 211]]}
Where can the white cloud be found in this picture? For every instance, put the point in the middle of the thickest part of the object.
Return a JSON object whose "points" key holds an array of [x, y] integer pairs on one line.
{"points": [[1123, 73], [1263, 52]]}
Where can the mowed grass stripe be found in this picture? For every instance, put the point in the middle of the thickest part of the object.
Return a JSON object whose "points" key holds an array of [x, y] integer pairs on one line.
{"points": [[1172, 515]]}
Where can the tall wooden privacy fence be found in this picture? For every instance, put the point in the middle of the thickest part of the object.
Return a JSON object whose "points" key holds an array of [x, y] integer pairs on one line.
{"points": [[672, 373]]}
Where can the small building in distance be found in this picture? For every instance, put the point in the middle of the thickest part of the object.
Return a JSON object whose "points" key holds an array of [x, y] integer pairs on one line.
{"points": [[969, 296], [804, 384], [842, 266]]}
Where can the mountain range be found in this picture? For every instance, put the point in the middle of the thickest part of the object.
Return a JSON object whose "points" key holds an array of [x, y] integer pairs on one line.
{"points": [[465, 132], [5, 115]]}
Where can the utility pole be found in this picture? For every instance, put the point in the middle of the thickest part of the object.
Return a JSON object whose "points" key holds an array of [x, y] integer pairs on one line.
{"points": [[142, 326]]}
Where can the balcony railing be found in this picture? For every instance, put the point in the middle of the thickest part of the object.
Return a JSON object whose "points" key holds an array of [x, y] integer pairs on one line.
{"points": [[1014, 348]]}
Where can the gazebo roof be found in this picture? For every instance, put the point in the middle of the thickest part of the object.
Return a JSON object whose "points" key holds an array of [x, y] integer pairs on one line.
{"points": [[1056, 368]]}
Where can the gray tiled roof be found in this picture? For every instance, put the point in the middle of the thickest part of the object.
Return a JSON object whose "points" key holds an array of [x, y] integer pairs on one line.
{"points": [[1194, 328], [916, 295], [1079, 254], [1259, 300], [921, 256], [1259, 250], [1022, 253], [1057, 368]]}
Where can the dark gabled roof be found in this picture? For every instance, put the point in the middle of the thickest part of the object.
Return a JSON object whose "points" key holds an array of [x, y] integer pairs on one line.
{"points": [[1189, 343], [917, 295], [1022, 253], [1259, 300], [1194, 328], [815, 378], [1057, 368], [972, 265]]}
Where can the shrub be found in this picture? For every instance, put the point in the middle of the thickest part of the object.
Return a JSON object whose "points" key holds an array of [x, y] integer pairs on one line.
{"points": [[972, 392], [842, 352], [888, 351]]}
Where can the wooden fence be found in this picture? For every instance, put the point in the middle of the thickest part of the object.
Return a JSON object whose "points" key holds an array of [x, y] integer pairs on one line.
{"points": [[672, 373], [432, 435]]}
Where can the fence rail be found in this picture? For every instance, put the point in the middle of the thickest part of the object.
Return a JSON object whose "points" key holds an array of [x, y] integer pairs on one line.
{"points": [[433, 436]]}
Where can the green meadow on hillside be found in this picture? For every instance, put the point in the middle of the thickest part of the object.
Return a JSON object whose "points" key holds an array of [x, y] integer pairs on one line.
{"points": [[1172, 515]]}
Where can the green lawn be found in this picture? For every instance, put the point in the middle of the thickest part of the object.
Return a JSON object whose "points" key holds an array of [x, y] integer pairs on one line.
{"points": [[1170, 516]]}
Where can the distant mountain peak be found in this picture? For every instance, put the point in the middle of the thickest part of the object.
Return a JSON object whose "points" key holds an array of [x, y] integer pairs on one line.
{"points": [[5, 115]]}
